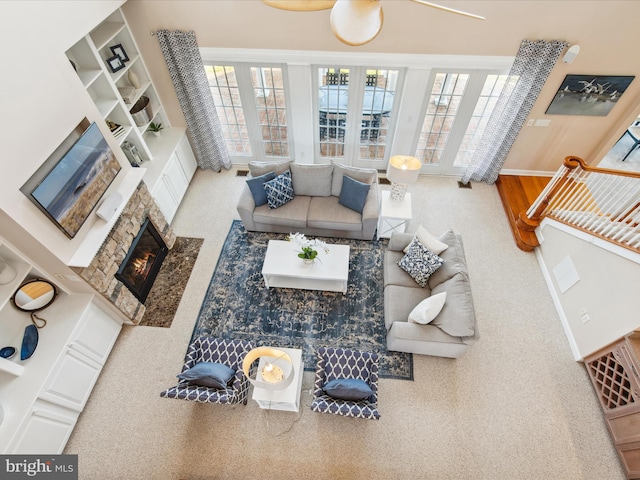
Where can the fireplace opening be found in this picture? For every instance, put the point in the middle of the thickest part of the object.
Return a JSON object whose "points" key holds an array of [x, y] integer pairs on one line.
{"points": [[140, 267]]}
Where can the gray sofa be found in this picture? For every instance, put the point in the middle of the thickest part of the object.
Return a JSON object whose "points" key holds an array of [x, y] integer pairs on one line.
{"points": [[315, 209], [455, 328]]}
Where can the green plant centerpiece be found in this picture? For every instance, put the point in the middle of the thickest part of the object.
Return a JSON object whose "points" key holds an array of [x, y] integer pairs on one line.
{"points": [[308, 253], [308, 248]]}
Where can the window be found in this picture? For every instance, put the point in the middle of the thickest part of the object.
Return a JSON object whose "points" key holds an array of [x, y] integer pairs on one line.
{"points": [[443, 106], [364, 94], [268, 91], [251, 105], [456, 114], [226, 97], [486, 103]]}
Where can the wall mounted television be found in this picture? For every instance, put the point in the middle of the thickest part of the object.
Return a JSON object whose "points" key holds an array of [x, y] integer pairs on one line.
{"points": [[69, 185]]}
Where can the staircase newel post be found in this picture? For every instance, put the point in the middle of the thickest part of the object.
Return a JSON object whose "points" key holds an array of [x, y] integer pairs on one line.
{"points": [[529, 223]]}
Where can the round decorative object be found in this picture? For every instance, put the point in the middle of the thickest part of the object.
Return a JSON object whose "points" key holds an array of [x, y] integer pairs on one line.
{"points": [[34, 295], [134, 80], [7, 352], [275, 368], [141, 111], [308, 261]]}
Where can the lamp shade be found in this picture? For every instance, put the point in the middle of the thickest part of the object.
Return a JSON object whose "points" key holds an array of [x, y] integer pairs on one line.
{"points": [[403, 169], [275, 369]]}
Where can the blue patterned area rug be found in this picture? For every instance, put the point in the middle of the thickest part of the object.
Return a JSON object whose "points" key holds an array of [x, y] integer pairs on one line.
{"points": [[238, 305]]}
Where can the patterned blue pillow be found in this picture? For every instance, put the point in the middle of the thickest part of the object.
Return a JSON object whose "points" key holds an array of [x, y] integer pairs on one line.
{"points": [[257, 189], [279, 190], [420, 262], [348, 389], [208, 374]]}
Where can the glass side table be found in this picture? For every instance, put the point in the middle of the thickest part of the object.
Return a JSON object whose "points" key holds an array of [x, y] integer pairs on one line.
{"points": [[394, 215]]}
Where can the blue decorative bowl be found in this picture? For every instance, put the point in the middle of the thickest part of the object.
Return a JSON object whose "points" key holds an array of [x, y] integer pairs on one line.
{"points": [[7, 352]]}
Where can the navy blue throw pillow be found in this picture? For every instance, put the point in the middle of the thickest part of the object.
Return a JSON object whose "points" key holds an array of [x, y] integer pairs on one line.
{"points": [[353, 194], [208, 374], [348, 389], [257, 189]]}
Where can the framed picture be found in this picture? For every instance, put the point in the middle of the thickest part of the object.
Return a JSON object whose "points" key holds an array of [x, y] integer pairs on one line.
{"points": [[592, 95], [71, 182], [118, 50], [115, 63]]}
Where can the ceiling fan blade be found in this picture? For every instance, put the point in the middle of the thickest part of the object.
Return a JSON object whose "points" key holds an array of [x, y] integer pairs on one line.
{"points": [[451, 10], [356, 22], [300, 5]]}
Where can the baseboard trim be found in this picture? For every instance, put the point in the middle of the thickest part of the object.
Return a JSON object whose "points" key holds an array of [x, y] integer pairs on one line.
{"points": [[527, 173]]}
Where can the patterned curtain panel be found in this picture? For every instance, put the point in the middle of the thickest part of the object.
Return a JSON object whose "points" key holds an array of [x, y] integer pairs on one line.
{"points": [[181, 53], [529, 72]]}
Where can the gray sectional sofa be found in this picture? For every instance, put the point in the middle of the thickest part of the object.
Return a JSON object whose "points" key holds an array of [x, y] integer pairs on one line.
{"points": [[316, 208], [455, 328]]}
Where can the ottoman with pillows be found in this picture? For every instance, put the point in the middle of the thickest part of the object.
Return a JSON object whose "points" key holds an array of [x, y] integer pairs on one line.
{"points": [[321, 200], [428, 307]]}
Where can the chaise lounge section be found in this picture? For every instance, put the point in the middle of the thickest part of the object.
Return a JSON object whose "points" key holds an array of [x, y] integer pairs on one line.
{"points": [[318, 204], [455, 328]]}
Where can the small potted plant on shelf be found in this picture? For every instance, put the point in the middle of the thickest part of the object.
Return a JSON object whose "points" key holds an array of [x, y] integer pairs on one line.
{"points": [[155, 128]]}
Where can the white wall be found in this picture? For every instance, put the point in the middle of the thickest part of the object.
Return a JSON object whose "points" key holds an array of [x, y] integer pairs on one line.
{"points": [[42, 101], [607, 289]]}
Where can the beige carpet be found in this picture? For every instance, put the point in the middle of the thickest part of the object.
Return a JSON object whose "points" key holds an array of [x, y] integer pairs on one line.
{"points": [[516, 406]]}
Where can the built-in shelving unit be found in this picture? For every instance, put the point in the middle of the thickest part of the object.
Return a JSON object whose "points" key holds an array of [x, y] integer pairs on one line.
{"points": [[90, 57], [42, 396], [163, 157]]}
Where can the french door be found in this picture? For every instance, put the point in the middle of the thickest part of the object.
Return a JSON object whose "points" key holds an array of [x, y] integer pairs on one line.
{"points": [[454, 116], [251, 102], [355, 111]]}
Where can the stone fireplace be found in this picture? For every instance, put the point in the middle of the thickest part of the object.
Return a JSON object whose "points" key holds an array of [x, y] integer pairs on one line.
{"points": [[143, 261], [101, 273]]}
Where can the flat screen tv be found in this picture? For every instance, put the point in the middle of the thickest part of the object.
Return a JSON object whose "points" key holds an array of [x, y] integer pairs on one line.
{"points": [[72, 181]]}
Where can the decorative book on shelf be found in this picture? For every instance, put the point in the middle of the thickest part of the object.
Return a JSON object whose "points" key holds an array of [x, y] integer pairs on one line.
{"points": [[116, 129]]}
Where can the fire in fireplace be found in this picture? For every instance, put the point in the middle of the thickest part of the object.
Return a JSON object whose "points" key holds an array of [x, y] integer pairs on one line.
{"points": [[140, 267]]}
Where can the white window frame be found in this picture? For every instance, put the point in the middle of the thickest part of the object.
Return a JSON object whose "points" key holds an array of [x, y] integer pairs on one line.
{"points": [[298, 66]]}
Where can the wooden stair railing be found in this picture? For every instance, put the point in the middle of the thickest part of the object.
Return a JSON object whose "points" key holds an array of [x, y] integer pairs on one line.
{"points": [[602, 202]]}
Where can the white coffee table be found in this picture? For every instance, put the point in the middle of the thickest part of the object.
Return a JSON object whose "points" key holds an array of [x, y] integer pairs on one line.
{"points": [[287, 399], [282, 268]]}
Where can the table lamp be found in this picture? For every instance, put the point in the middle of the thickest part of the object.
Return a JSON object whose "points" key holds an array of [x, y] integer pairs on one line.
{"points": [[276, 369], [401, 171]]}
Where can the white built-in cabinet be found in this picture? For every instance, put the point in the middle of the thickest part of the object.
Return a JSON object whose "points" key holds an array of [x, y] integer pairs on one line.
{"points": [[172, 184], [41, 397], [168, 159]]}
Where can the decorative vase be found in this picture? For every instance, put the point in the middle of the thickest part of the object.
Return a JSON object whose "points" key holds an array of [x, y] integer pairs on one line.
{"points": [[308, 261], [7, 272], [134, 80]]}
